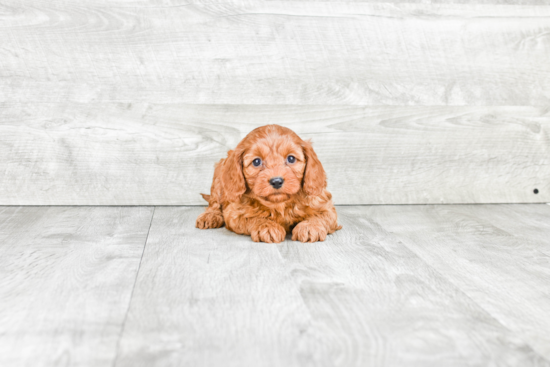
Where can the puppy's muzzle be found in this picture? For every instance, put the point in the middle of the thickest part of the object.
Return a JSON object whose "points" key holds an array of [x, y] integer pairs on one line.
{"points": [[276, 182]]}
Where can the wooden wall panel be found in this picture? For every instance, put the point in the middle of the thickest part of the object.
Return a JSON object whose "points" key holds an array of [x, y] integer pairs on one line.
{"points": [[161, 154], [130, 102], [276, 52]]}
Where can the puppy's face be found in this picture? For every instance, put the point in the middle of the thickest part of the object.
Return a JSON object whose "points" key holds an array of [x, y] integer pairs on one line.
{"points": [[273, 163], [274, 167]]}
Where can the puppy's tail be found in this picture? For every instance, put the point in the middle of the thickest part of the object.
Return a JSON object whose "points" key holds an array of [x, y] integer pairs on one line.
{"points": [[206, 197]]}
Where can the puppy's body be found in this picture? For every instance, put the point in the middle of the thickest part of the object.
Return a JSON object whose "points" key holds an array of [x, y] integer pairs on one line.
{"points": [[248, 196]]}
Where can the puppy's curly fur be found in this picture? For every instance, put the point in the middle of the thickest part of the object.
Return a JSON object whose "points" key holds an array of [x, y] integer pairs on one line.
{"points": [[242, 198]]}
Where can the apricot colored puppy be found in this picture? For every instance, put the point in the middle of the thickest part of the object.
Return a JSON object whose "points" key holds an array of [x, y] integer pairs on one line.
{"points": [[272, 183]]}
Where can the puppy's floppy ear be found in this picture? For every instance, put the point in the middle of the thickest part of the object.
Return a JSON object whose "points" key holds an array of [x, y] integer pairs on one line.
{"points": [[232, 176], [315, 178]]}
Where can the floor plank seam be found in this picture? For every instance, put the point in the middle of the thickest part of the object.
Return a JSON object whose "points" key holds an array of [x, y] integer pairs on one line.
{"points": [[115, 361]]}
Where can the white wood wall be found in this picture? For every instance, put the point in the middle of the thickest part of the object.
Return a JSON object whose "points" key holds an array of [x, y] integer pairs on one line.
{"points": [[132, 102]]}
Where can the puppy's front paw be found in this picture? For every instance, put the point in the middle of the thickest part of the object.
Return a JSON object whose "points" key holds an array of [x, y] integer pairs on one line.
{"points": [[268, 232], [309, 232], [209, 220]]}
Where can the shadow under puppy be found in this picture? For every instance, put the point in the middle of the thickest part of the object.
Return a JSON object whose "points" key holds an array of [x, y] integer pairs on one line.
{"points": [[272, 183]]}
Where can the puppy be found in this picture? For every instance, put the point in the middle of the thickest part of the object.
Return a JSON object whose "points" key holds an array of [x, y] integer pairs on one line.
{"points": [[271, 184]]}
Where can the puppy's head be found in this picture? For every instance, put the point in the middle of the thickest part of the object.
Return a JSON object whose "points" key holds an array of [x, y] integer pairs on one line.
{"points": [[274, 163]]}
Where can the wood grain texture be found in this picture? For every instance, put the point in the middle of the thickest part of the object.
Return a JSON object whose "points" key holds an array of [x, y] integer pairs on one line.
{"points": [[209, 298], [275, 52], [498, 255], [179, 3], [66, 276], [151, 154]]}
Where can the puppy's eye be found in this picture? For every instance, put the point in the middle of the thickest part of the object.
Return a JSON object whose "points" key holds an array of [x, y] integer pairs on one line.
{"points": [[291, 159], [256, 162]]}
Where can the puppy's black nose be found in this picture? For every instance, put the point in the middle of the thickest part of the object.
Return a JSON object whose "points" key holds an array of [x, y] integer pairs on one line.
{"points": [[276, 182]]}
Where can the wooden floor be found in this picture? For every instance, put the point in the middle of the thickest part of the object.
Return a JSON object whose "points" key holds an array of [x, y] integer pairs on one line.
{"points": [[449, 285]]}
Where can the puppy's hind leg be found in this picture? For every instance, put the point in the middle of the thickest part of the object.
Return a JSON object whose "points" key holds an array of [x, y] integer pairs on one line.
{"points": [[212, 216]]}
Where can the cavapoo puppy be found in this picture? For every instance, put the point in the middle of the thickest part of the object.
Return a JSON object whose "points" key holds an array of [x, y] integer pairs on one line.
{"points": [[272, 183]]}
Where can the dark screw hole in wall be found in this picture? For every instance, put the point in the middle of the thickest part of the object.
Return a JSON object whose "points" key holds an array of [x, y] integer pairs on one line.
{"points": [[536, 191]]}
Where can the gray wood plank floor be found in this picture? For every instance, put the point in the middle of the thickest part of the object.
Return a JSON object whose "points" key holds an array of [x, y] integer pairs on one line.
{"points": [[481, 241], [451, 285], [66, 277]]}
